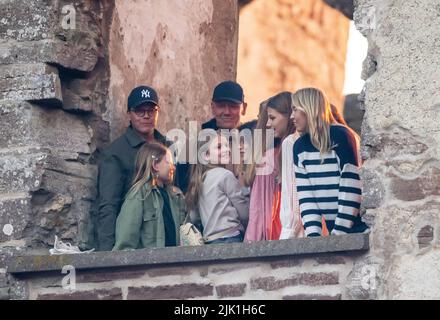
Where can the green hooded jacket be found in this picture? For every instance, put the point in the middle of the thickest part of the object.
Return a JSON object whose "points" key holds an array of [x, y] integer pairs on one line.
{"points": [[140, 223]]}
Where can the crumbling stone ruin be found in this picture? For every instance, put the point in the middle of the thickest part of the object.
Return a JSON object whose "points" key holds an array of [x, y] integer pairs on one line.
{"points": [[62, 98]]}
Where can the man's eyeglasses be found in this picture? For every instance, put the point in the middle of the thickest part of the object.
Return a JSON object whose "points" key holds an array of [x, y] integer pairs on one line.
{"points": [[141, 112]]}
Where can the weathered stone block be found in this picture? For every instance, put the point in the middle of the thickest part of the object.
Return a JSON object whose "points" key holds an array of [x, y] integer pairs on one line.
{"points": [[49, 51], [21, 170], [308, 279], [76, 102], [393, 143], [373, 191], [30, 82], [24, 124], [108, 275], [285, 263], [26, 20], [425, 236], [180, 291], [230, 290], [98, 294], [14, 211], [426, 184]]}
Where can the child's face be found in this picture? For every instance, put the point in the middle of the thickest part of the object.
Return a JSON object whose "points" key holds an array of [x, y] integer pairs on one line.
{"points": [[165, 168], [245, 151], [219, 151], [300, 120], [277, 122]]}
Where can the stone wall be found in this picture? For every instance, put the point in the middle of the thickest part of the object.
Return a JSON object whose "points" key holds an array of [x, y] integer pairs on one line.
{"points": [[289, 44], [63, 97], [401, 142], [299, 279], [183, 50], [314, 268]]}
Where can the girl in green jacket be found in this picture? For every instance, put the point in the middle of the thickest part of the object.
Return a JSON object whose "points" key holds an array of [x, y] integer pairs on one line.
{"points": [[153, 209]]}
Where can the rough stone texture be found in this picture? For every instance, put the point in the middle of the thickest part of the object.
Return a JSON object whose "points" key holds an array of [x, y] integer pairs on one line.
{"points": [[30, 82], [353, 113], [289, 44], [48, 156], [197, 46], [401, 139], [425, 184], [183, 291], [157, 256], [425, 236], [110, 294], [33, 32], [311, 279], [232, 290], [245, 278]]}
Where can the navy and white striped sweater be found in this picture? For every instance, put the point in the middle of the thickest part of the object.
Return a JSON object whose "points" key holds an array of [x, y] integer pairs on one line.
{"points": [[331, 188]]}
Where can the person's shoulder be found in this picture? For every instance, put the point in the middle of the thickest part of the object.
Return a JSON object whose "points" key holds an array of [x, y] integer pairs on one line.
{"points": [[140, 194], [289, 140], [302, 141], [339, 133], [175, 191], [211, 124], [248, 125], [220, 171], [114, 148]]}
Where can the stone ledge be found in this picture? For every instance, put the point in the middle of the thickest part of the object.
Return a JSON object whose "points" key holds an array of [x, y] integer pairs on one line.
{"points": [[210, 253]]}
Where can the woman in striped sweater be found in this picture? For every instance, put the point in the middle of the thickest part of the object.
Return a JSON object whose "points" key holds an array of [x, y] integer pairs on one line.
{"points": [[326, 168]]}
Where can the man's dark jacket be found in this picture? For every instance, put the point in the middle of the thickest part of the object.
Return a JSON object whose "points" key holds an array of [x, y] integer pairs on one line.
{"points": [[116, 170]]}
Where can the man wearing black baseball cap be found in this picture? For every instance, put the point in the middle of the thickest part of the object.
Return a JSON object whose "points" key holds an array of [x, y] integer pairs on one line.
{"points": [[227, 106], [116, 167]]}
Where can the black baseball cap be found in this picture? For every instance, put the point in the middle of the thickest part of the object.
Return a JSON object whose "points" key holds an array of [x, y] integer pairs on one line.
{"points": [[141, 95], [228, 91]]}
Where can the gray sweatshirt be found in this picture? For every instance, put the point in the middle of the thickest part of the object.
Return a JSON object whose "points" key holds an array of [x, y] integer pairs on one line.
{"points": [[222, 206]]}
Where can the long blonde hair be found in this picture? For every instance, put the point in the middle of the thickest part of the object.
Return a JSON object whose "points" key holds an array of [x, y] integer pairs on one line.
{"points": [[314, 103], [197, 176], [258, 150], [148, 154]]}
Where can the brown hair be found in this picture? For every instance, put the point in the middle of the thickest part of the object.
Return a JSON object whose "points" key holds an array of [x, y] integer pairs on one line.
{"points": [[148, 154]]}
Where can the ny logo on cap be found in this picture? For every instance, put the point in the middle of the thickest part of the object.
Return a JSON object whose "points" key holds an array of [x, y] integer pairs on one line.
{"points": [[145, 93]]}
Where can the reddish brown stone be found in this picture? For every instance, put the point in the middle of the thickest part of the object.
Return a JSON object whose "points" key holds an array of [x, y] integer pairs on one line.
{"points": [[308, 279], [231, 290], [312, 297], [425, 236], [181, 291], [286, 263], [329, 259], [233, 267], [167, 271], [419, 188], [101, 294], [106, 275]]}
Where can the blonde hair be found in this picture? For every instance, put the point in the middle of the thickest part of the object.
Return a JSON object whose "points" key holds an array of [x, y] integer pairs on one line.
{"points": [[314, 103], [148, 154], [197, 176], [258, 151]]}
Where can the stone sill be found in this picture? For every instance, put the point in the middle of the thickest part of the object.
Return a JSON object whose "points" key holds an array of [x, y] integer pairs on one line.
{"points": [[180, 255]]}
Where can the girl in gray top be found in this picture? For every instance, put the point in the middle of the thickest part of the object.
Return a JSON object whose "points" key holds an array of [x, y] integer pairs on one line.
{"points": [[214, 195]]}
